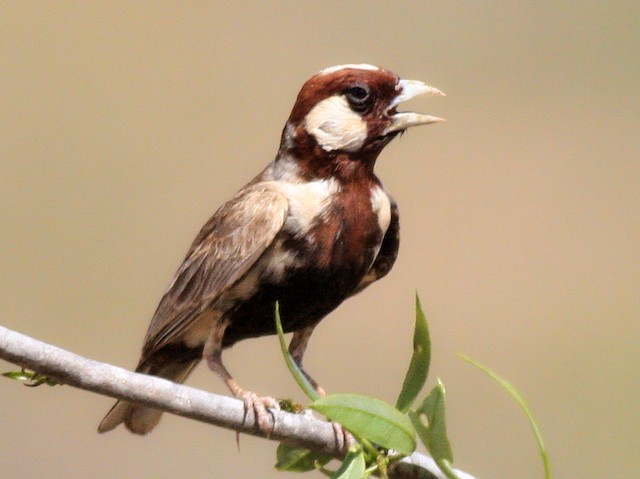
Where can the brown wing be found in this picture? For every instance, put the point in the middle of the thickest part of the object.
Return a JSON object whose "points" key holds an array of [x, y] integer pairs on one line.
{"points": [[388, 252], [224, 250]]}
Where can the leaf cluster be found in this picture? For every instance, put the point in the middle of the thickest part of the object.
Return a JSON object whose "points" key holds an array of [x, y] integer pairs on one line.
{"points": [[384, 433]]}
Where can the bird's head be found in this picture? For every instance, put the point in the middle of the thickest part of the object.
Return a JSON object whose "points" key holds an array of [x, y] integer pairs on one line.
{"points": [[345, 115]]}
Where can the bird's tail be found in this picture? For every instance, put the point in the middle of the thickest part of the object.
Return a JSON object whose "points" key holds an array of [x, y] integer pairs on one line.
{"points": [[141, 419]]}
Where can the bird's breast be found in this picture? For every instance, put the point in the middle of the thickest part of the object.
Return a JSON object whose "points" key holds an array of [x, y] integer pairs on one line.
{"points": [[342, 232], [328, 244]]}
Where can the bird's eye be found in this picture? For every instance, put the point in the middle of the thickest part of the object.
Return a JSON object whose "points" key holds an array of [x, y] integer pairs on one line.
{"points": [[359, 97]]}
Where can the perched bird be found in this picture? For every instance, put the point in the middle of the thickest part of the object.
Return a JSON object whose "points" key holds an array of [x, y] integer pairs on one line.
{"points": [[314, 228]]}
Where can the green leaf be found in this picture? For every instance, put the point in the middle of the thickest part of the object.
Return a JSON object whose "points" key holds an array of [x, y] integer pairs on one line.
{"points": [[353, 465], [434, 436], [30, 378], [511, 389], [289, 405], [299, 459], [300, 378], [423, 432], [421, 429], [18, 375], [371, 418], [448, 470], [420, 360]]}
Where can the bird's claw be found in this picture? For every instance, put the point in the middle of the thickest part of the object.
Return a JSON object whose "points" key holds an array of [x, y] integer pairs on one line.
{"points": [[264, 419], [344, 439]]}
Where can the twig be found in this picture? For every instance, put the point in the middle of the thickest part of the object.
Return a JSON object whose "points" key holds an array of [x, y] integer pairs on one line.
{"points": [[77, 371]]}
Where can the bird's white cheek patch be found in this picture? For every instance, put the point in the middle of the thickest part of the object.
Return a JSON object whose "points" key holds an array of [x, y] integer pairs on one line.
{"points": [[335, 126]]}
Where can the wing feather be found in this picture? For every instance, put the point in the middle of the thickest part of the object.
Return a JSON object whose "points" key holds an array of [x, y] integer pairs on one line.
{"points": [[226, 248]]}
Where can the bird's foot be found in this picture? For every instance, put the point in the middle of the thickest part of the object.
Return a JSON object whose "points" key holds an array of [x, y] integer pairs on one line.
{"points": [[344, 439], [264, 419]]}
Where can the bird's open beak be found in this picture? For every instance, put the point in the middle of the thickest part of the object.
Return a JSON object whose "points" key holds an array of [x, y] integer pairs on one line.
{"points": [[403, 120]]}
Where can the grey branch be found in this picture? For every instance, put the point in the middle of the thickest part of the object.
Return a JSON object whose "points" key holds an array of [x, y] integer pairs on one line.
{"points": [[77, 371]]}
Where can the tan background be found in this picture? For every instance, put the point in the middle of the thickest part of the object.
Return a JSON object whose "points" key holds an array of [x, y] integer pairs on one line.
{"points": [[123, 126]]}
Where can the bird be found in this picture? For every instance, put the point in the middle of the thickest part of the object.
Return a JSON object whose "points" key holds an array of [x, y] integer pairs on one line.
{"points": [[314, 228]]}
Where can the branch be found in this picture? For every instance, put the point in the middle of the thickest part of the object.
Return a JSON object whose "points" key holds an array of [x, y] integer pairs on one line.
{"points": [[80, 372]]}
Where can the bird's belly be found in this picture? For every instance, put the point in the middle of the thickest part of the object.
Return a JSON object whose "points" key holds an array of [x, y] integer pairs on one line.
{"points": [[308, 285], [304, 299]]}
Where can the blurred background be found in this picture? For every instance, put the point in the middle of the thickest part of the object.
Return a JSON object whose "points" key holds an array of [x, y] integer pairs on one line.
{"points": [[124, 125]]}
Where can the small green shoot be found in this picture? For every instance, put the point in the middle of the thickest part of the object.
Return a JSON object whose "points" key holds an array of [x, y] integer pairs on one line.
{"points": [[434, 433], [436, 439], [511, 389], [299, 459], [420, 360], [300, 378], [353, 466], [31, 378]]}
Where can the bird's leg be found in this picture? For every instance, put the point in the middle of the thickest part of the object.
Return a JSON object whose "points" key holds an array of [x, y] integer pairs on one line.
{"points": [[297, 347], [252, 402]]}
